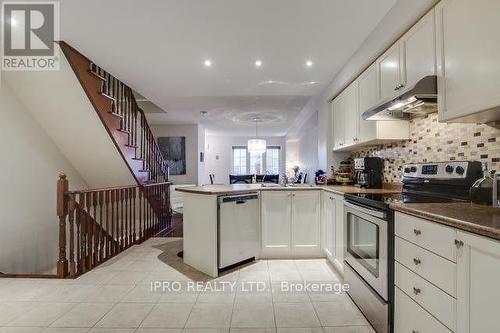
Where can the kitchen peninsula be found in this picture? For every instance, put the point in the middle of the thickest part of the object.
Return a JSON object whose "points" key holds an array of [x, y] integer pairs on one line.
{"points": [[321, 207], [291, 221]]}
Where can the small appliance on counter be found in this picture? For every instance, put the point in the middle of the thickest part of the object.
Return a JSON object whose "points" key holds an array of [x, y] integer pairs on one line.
{"points": [[481, 192], [320, 178], [343, 175], [369, 172]]}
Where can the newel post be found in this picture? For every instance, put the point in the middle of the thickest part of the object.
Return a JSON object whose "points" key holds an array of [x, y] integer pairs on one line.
{"points": [[62, 213]]}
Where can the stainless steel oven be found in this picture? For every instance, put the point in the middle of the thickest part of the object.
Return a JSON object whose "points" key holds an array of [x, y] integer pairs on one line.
{"points": [[367, 256], [366, 244]]}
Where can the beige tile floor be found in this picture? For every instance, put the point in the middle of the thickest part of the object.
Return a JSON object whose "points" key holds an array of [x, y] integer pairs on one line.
{"points": [[118, 297]]}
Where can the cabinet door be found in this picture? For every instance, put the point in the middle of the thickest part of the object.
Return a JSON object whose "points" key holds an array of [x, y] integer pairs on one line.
{"points": [[368, 96], [339, 233], [306, 221], [468, 53], [478, 288], [276, 214], [389, 69], [329, 224], [351, 115], [338, 122], [418, 51]]}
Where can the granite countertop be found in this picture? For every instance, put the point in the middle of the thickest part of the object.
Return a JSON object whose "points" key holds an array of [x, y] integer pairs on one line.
{"points": [[477, 219], [243, 188]]}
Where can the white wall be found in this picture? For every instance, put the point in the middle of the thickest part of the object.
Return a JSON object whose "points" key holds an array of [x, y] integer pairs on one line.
{"points": [[218, 152], [58, 103], [301, 147], [29, 171], [191, 132]]}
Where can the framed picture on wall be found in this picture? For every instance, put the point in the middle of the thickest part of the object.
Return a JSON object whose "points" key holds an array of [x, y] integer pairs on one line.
{"points": [[173, 149]]}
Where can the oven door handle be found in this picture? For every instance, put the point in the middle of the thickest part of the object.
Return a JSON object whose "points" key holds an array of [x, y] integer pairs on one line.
{"points": [[366, 210]]}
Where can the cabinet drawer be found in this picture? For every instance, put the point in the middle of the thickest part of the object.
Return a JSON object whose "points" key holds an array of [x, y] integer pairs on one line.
{"points": [[433, 268], [410, 317], [434, 300], [429, 235]]}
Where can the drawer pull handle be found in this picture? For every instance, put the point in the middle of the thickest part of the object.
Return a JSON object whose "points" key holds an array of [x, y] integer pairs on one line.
{"points": [[417, 232], [459, 243], [417, 261], [416, 291]]}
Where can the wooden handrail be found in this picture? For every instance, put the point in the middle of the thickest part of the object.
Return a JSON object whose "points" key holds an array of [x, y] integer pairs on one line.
{"points": [[116, 188], [133, 121], [97, 224], [125, 122]]}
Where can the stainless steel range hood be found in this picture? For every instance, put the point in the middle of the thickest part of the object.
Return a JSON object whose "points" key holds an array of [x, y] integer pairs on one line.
{"points": [[415, 101]]}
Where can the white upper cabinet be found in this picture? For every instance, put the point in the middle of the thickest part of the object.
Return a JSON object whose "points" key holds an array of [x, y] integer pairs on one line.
{"points": [[418, 51], [468, 60], [369, 96], [349, 128], [411, 58], [478, 290], [351, 115], [390, 72], [338, 122]]}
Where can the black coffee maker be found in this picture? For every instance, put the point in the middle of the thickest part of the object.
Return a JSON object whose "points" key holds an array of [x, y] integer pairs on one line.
{"points": [[369, 172]]}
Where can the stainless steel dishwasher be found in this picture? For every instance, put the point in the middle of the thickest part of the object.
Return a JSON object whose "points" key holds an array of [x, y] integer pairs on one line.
{"points": [[238, 228]]}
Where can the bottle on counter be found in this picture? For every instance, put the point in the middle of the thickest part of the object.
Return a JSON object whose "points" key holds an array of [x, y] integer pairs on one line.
{"points": [[481, 192]]}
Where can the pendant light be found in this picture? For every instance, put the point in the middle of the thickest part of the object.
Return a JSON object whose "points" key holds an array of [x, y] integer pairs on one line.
{"points": [[257, 146]]}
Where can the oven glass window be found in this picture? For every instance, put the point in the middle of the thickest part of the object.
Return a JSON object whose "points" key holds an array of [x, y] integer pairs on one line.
{"points": [[363, 242]]}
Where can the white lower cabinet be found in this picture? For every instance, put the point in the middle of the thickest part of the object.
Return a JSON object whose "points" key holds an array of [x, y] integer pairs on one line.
{"points": [[339, 234], [478, 284], [409, 317], [439, 290], [290, 223], [333, 229], [328, 225], [306, 222], [276, 227]]}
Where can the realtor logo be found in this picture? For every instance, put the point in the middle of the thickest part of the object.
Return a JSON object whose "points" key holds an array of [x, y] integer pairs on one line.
{"points": [[29, 31]]}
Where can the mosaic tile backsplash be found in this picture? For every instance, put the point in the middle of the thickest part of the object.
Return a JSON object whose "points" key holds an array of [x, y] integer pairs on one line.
{"points": [[432, 141]]}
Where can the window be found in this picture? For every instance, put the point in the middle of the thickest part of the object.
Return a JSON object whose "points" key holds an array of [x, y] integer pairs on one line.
{"points": [[273, 160], [255, 164], [245, 163], [239, 160]]}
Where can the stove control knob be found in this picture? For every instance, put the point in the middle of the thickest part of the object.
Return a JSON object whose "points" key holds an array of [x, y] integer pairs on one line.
{"points": [[460, 170], [413, 169], [407, 170], [449, 169]]}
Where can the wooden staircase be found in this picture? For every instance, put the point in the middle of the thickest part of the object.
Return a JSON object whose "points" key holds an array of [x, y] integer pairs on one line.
{"points": [[97, 224], [125, 122]]}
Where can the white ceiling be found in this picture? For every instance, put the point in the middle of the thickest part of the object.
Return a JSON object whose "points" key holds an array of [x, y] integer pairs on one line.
{"points": [[159, 49]]}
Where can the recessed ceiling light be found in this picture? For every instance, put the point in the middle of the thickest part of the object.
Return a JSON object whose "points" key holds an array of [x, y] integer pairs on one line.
{"points": [[258, 63], [309, 63], [208, 63]]}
